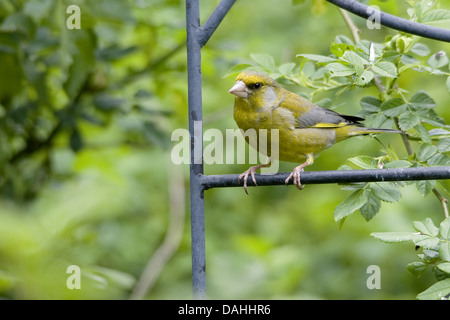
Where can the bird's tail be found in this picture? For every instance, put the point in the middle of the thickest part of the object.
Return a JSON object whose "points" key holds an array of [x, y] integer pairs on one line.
{"points": [[364, 130], [352, 130]]}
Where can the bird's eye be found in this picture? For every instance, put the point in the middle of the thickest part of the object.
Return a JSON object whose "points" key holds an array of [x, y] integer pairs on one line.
{"points": [[255, 86]]}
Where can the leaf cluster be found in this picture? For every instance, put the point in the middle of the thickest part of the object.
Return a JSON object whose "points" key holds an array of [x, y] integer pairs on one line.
{"points": [[434, 243]]}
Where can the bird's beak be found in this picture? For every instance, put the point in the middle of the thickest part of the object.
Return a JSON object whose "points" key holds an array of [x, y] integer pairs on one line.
{"points": [[240, 90]]}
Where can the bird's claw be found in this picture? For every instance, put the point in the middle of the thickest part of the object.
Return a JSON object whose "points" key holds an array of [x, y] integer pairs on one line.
{"points": [[251, 171], [296, 178]]}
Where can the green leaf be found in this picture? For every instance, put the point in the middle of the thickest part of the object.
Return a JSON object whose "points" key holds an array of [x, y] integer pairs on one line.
{"points": [[354, 59], [443, 145], [425, 152], [264, 60], [385, 69], [416, 268], [444, 267], [336, 69], [423, 133], [447, 84], [427, 242], [444, 229], [76, 141], [338, 49], [421, 100], [371, 207], [439, 290], [408, 120], [439, 159], [393, 107], [426, 227], [436, 15], [425, 186], [397, 164], [438, 60], [370, 104], [364, 78], [394, 237], [352, 203], [364, 162], [444, 251], [317, 58], [386, 191], [420, 49]]}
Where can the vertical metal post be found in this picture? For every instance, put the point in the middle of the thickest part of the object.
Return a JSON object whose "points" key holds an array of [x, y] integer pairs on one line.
{"points": [[196, 145]]}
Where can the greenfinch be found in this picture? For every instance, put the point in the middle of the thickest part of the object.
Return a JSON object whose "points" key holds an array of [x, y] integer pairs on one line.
{"points": [[304, 128]]}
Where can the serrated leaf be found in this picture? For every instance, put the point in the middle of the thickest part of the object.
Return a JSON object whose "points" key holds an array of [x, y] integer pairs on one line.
{"points": [[425, 186], [370, 104], [420, 49], [317, 58], [352, 203], [393, 107], [426, 227], [385, 69], [439, 290], [444, 229], [439, 159], [264, 60], [364, 162], [338, 49], [444, 251], [386, 191], [443, 145], [425, 152], [286, 68], [336, 69], [438, 132], [397, 164], [427, 242], [421, 100], [423, 133], [354, 59], [438, 60], [371, 207], [364, 78], [394, 237], [444, 267], [407, 120], [416, 268]]}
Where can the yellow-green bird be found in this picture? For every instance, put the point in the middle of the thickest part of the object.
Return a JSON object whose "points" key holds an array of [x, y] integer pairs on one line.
{"points": [[304, 128]]}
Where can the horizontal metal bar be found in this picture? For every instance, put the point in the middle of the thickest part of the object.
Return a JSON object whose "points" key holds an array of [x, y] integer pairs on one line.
{"points": [[337, 176], [394, 22]]}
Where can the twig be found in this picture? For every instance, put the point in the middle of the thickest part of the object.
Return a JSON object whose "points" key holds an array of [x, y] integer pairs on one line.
{"points": [[443, 201], [173, 236], [353, 28]]}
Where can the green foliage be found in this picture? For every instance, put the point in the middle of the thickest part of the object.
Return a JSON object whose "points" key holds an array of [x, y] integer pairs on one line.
{"points": [[435, 245], [366, 65]]}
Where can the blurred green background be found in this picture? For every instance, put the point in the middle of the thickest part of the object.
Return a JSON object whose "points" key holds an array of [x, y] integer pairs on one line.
{"points": [[86, 117]]}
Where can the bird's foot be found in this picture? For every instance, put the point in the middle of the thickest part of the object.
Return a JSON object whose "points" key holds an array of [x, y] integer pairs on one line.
{"points": [[296, 175], [251, 171]]}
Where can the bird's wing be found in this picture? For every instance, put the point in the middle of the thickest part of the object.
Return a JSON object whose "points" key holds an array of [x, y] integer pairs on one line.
{"points": [[310, 115]]}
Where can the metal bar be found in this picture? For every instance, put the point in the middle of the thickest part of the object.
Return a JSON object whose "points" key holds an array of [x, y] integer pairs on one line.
{"points": [[339, 176], [196, 168], [394, 22], [208, 28]]}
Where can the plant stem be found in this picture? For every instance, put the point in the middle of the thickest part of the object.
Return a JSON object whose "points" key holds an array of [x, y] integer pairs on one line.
{"points": [[353, 28]]}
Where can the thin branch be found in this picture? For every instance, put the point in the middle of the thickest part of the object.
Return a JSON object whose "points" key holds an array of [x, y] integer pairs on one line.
{"points": [[173, 236], [443, 201], [353, 28]]}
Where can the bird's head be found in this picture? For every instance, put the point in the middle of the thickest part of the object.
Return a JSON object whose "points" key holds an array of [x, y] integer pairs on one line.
{"points": [[255, 87]]}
